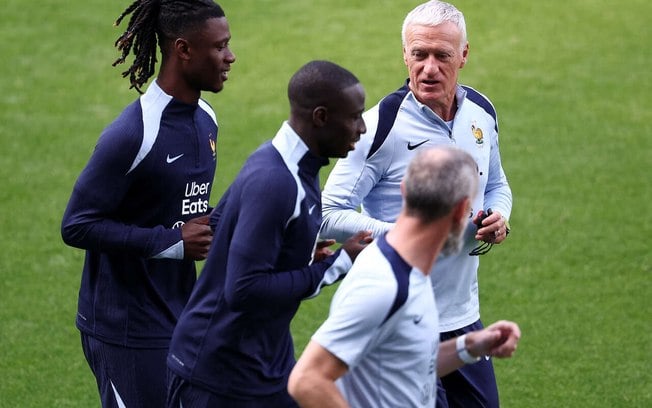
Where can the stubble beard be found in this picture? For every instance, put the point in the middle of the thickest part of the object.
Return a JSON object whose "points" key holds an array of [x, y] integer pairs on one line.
{"points": [[454, 243]]}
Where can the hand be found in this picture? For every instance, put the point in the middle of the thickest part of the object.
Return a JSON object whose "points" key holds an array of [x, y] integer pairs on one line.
{"points": [[197, 237], [497, 340], [322, 251], [493, 228], [357, 243]]}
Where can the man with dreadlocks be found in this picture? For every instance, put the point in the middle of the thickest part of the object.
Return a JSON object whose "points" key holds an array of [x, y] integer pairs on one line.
{"points": [[140, 206]]}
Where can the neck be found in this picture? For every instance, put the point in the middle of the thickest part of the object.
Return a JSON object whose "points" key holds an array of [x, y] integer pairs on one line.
{"points": [[303, 130], [173, 85], [418, 243], [446, 110]]}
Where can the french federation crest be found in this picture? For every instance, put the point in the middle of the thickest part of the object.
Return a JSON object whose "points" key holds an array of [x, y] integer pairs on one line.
{"points": [[477, 133], [212, 144]]}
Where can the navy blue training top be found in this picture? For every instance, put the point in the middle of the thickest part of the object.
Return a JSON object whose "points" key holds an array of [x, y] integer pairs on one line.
{"points": [[151, 171], [234, 338]]}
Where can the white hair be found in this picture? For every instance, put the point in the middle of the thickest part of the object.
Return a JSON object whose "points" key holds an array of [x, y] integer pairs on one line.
{"points": [[433, 13]]}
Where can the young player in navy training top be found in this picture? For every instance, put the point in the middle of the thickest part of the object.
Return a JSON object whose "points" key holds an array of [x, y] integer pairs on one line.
{"points": [[140, 206], [232, 346], [379, 346]]}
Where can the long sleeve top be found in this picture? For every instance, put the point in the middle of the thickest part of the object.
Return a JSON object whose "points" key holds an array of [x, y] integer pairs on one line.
{"points": [[234, 336], [369, 178], [152, 170]]}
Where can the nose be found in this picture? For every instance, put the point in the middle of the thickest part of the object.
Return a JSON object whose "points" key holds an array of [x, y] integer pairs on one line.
{"points": [[363, 127], [430, 66], [229, 56]]}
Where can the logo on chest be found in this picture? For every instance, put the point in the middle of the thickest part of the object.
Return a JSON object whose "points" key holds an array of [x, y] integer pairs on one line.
{"points": [[211, 143], [411, 146], [196, 201], [171, 159], [477, 134]]}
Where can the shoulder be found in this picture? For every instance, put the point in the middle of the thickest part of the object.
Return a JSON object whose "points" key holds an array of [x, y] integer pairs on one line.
{"points": [[480, 100], [126, 130], [208, 109], [267, 164], [359, 308], [265, 172], [371, 284], [383, 117]]}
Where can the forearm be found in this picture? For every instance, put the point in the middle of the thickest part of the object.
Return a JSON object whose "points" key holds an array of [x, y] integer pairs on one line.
{"points": [[499, 200], [310, 391], [86, 224], [341, 223], [254, 287], [349, 183], [447, 358], [92, 219], [110, 236], [312, 380], [500, 340], [497, 194], [340, 263]]}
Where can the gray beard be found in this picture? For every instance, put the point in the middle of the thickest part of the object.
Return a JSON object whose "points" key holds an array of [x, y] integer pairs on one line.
{"points": [[454, 242]]}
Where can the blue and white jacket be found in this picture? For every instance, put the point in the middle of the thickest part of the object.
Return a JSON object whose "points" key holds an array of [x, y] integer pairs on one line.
{"points": [[151, 171], [370, 176]]}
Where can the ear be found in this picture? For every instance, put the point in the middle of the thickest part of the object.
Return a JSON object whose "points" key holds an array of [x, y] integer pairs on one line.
{"points": [[182, 49], [320, 116], [405, 59], [465, 55]]}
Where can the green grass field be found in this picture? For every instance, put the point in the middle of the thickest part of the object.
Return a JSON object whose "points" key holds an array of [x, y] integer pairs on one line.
{"points": [[572, 85]]}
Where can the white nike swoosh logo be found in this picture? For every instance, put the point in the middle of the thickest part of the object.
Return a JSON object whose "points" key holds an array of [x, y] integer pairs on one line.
{"points": [[311, 209], [172, 159], [118, 399]]}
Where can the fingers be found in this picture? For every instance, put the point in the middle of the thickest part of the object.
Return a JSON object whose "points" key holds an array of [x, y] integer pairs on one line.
{"points": [[500, 234], [507, 349], [363, 237], [200, 254], [325, 243], [204, 220], [493, 229], [482, 342], [505, 326], [507, 341], [355, 244], [197, 236], [200, 243]]}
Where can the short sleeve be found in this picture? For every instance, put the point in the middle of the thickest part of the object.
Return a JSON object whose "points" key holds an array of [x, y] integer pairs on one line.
{"points": [[358, 311]]}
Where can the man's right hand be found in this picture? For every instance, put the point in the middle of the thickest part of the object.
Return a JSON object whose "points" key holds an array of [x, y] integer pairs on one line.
{"points": [[197, 237], [499, 339], [357, 243]]}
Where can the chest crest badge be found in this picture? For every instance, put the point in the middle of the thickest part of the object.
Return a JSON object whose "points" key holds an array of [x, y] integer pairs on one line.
{"points": [[477, 133], [211, 142]]}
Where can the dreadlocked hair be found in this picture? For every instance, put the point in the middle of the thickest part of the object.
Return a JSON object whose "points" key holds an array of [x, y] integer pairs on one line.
{"points": [[155, 22]]}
